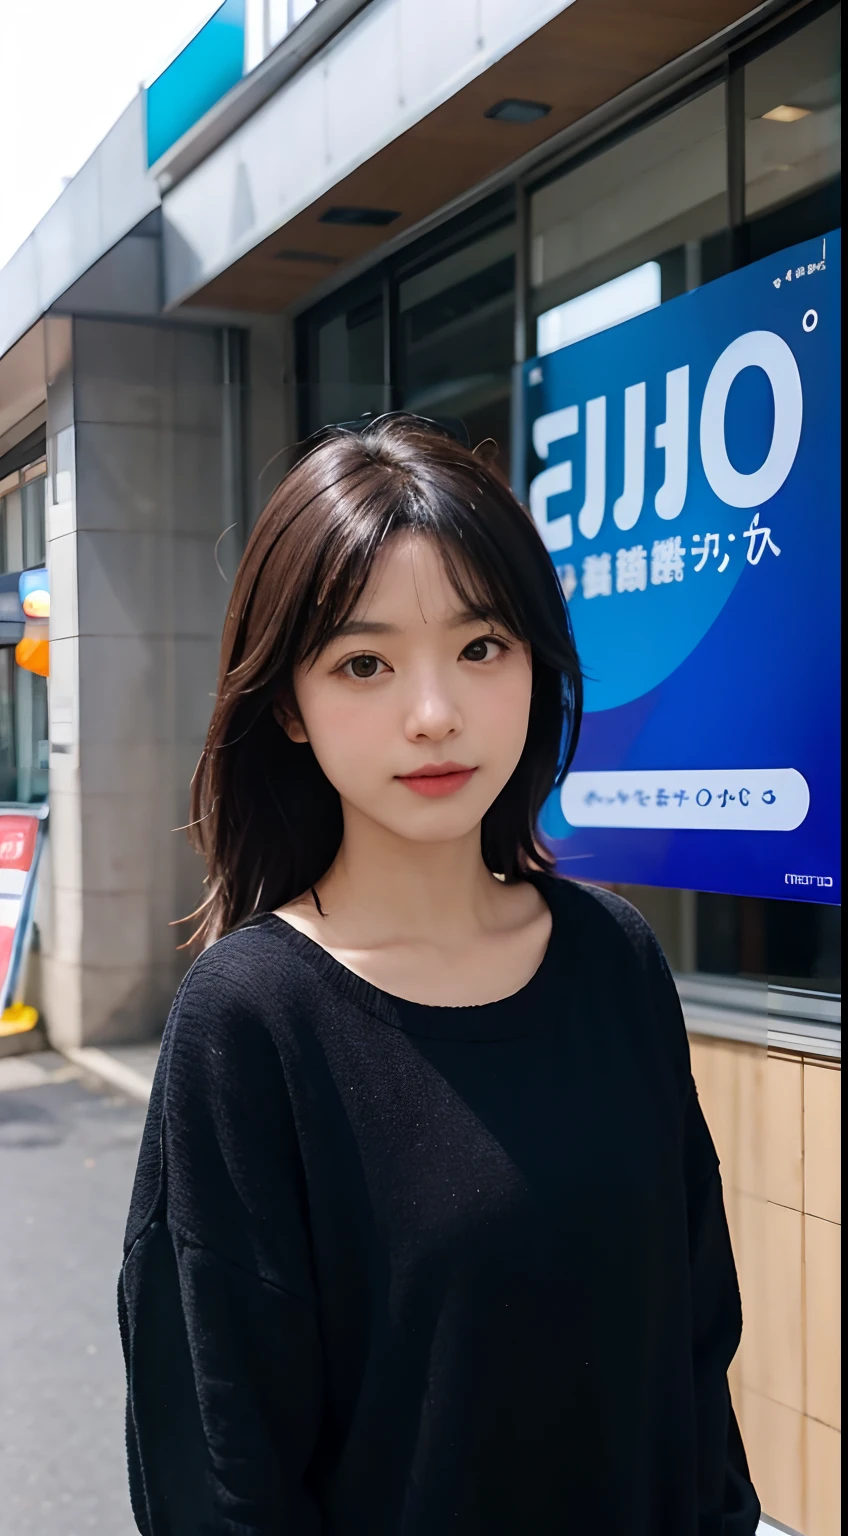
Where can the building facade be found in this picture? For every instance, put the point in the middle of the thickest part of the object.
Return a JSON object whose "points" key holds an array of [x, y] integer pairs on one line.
{"points": [[396, 207]]}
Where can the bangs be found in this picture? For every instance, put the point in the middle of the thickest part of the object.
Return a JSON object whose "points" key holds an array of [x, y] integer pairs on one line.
{"points": [[475, 564]]}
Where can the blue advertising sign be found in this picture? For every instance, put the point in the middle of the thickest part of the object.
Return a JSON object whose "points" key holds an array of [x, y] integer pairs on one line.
{"points": [[202, 72], [687, 487]]}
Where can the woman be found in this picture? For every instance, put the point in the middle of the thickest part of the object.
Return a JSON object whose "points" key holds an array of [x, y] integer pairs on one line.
{"points": [[427, 1233]]}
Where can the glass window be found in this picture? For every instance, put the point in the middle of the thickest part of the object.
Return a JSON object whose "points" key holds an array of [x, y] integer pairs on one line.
{"points": [[792, 116], [456, 336], [794, 944], [637, 224], [11, 539], [651, 208], [631, 227], [609, 304], [281, 16], [34, 548], [8, 766], [23, 695], [345, 365], [29, 705]]}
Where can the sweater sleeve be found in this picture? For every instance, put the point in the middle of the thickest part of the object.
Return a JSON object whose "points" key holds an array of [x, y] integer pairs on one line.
{"points": [[216, 1296], [727, 1502]]}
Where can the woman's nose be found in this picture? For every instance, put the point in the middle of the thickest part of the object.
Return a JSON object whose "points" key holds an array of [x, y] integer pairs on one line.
{"points": [[431, 712]]}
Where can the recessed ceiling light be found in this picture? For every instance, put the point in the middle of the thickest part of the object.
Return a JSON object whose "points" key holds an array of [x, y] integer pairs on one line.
{"points": [[513, 110], [374, 218], [786, 114]]}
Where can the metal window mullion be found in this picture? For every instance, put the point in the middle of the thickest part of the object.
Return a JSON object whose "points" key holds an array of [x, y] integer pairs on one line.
{"points": [[522, 270], [391, 342], [735, 134], [233, 428], [518, 447]]}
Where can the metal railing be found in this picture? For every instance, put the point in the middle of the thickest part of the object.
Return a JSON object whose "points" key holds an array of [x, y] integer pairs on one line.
{"points": [[755, 1013]]}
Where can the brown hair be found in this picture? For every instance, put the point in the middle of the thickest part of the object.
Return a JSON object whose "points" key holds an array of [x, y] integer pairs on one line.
{"points": [[263, 814]]}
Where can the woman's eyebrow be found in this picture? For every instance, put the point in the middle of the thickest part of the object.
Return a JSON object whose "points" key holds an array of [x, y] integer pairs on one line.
{"points": [[374, 627], [471, 616], [364, 627]]}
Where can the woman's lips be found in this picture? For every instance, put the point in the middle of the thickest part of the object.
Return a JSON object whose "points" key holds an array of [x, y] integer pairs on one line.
{"points": [[437, 779]]}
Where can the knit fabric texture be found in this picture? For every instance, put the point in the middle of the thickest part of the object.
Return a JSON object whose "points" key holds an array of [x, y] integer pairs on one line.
{"points": [[396, 1270]]}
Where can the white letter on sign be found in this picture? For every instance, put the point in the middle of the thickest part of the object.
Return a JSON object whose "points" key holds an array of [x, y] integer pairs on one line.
{"points": [[558, 534], [756, 349], [673, 435], [591, 514], [628, 505]]}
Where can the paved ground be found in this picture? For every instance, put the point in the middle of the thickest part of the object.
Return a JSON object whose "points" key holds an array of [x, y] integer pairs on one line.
{"points": [[68, 1146]]}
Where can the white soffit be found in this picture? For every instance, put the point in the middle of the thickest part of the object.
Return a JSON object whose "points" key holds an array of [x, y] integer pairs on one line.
{"points": [[23, 385], [392, 65]]}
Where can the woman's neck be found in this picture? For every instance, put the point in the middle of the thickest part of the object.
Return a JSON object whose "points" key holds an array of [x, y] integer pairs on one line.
{"points": [[388, 885]]}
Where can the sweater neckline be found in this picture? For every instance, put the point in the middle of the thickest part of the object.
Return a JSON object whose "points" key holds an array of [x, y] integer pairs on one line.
{"points": [[505, 1018]]}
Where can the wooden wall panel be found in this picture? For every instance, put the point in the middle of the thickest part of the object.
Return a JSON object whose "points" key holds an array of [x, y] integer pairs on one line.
{"points": [[775, 1120]]}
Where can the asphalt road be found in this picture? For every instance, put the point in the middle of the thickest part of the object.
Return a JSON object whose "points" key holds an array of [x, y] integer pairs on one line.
{"points": [[67, 1157]]}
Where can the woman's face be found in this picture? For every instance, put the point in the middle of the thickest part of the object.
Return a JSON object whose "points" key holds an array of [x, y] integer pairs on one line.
{"points": [[412, 686]]}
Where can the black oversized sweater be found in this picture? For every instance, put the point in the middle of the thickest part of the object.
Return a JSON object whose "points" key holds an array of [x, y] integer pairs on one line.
{"points": [[395, 1270]]}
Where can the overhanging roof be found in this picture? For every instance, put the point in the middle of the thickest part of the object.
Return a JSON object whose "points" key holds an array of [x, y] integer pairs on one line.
{"points": [[391, 116], [107, 198]]}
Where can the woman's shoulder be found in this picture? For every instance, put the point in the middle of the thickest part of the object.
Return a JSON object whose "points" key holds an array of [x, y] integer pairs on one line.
{"points": [[221, 1096], [605, 918], [611, 959], [250, 964], [619, 958], [236, 1002]]}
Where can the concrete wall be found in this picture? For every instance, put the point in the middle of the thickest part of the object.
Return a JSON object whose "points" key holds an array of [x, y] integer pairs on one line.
{"points": [[135, 506], [775, 1119]]}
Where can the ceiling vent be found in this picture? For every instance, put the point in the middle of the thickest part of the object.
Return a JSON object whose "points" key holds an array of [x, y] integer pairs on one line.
{"points": [[370, 218], [514, 110]]}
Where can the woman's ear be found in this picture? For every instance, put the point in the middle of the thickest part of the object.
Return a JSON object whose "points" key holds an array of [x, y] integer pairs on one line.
{"points": [[290, 721]]}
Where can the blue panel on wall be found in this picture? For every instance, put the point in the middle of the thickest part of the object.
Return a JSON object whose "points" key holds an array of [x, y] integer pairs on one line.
{"points": [[687, 486], [209, 66]]}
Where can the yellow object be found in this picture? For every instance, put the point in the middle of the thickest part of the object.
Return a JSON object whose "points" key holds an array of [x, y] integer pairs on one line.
{"points": [[33, 656], [18, 1019]]}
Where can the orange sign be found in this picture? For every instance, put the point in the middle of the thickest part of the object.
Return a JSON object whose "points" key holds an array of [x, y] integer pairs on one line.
{"points": [[33, 655]]}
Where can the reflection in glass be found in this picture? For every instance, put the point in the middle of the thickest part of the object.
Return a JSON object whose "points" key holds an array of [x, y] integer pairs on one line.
{"points": [[456, 336], [8, 766], [790, 943], [11, 532], [346, 361], [792, 115], [622, 298], [657, 196], [23, 695], [33, 523]]}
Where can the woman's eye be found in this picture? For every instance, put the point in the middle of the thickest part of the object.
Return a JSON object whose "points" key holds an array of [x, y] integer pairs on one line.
{"points": [[362, 666], [484, 649]]}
